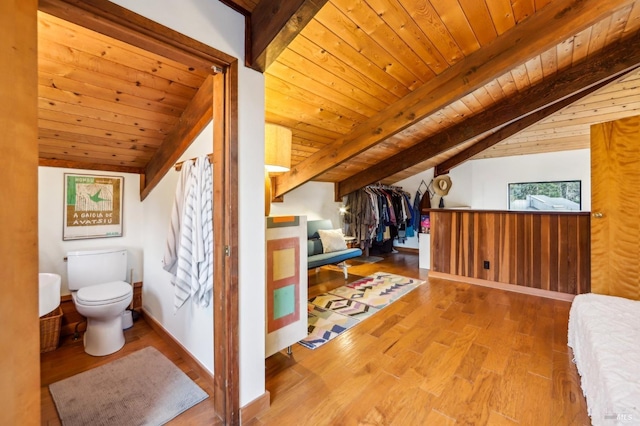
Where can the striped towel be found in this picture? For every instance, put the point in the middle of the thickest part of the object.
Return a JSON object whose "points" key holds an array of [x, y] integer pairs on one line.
{"points": [[170, 259], [205, 262], [194, 264]]}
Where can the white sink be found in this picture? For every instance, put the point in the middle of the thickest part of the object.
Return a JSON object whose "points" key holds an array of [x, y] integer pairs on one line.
{"points": [[49, 293]]}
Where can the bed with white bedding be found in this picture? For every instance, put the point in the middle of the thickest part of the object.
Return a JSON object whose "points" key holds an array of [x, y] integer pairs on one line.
{"points": [[604, 333]]}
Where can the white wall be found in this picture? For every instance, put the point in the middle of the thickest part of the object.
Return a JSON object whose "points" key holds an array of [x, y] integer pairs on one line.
{"points": [[215, 24], [491, 176], [477, 184], [458, 196], [482, 184], [313, 199], [52, 249], [191, 325]]}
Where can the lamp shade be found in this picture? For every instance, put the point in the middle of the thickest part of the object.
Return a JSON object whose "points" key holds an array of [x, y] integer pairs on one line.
{"points": [[277, 157]]}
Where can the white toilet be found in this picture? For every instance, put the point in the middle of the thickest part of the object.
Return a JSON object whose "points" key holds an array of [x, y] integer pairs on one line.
{"points": [[96, 280]]}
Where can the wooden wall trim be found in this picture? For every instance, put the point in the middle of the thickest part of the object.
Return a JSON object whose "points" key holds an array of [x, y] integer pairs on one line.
{"points": [[20, 353], [514, 212], [195, 117], [50, 162], [226, 304], [256, 407], [407, 249], [177, 346], [544, 250], [507, 287]]}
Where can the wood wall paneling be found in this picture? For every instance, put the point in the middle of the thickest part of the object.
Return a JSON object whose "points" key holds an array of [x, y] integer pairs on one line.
{"points": [[615, 183], [20, 349], [547, 251]]}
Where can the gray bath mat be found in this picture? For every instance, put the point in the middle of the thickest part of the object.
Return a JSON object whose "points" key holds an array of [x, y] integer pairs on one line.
{"points": [[143, 388]]}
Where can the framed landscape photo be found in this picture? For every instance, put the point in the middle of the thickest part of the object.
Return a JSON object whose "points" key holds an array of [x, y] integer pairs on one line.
{"points": [[546, 196], [92, 206]]}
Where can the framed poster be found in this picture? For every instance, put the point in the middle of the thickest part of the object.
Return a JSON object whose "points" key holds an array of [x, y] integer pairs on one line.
{"points": [[92, 207]]}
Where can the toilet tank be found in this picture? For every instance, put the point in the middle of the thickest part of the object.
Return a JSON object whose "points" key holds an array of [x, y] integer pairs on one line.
{"points": [[91, 267]]}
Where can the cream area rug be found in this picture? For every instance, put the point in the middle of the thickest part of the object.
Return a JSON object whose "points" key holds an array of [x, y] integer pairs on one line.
{"points": [[143, 388], [331, 314]]}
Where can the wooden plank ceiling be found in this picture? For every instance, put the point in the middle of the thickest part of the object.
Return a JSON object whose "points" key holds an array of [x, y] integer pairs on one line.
{"points": [[373, 90], [366, 80], [103, 103]]}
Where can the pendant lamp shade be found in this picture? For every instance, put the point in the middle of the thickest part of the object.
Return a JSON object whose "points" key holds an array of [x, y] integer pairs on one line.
{"points": [[277, 156]]}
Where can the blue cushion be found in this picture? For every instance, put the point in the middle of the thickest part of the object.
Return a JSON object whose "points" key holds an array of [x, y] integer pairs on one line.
{"points": [[334, 257], [314, 225], [314, 246]]}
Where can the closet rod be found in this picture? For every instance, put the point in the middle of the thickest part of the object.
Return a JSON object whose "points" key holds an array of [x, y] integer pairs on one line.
{"points": [[179, 164], [379, 185]]}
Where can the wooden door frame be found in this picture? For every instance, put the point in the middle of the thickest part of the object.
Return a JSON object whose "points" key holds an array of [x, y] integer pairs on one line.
{"points": [[122, 24], [20, 353], [225, 229]]}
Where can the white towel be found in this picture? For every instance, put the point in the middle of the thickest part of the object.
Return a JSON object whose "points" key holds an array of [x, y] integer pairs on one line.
{"points": [[170, 259], [194, 265], [205, 266]]}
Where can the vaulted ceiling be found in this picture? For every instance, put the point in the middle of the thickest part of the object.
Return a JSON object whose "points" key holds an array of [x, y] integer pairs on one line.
{"points": [[373, 90], [379, 90]]}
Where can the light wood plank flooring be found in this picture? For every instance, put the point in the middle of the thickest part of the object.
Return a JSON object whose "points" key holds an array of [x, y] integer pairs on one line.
{"points": [[70, 359], [446, 353]]}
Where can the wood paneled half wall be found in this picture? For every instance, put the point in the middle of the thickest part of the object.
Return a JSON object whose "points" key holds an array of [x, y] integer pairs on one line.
{"points": [[541, 250]]}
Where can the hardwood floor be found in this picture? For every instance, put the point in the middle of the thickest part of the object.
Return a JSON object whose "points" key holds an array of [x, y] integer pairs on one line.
{"points": [[70, 359], [444, 354]]}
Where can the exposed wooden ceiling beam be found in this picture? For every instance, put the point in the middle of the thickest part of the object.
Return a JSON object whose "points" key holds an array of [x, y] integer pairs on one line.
{"points": [[611, 62], [532, 37], [274, 24], [50, 162], [235, 6], [517, 126], [122, 24], [193, 120]]}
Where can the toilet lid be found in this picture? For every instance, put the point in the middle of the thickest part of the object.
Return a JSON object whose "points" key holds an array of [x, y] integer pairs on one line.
{"points": [[105, 293]]}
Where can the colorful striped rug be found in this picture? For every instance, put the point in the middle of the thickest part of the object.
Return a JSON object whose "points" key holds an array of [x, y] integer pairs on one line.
{"points": [[331, 314]]}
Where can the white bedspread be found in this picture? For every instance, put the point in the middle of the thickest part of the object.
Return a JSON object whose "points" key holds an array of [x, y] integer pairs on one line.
{"points": [[604, 332]]}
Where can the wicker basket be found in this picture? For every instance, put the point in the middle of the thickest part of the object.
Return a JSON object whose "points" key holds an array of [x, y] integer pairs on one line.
{"points": [[50, 330]]}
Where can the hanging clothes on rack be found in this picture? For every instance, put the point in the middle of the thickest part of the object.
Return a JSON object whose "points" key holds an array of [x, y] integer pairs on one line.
{"points": [[416, 210], [378, 214], [362, 218], [410, 231]]}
